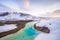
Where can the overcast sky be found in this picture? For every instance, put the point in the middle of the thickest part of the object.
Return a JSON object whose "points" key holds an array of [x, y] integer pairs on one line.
{"points": [[36, 7]]}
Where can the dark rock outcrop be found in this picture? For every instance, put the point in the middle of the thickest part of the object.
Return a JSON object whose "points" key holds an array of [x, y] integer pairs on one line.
{"points": [[4, 14], [42, 29]]}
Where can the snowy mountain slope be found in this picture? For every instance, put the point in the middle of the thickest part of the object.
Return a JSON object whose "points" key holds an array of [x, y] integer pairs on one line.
{"points": [[54, 25], [17, 16]]}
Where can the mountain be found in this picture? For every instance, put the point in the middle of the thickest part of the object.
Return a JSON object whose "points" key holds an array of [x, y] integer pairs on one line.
{"points": [[13, 16]]}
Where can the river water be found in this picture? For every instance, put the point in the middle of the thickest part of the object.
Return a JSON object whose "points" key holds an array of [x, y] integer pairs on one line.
{"points": [[27, 33]]}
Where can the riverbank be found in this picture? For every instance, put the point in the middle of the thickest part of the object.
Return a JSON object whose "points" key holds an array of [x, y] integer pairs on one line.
{"points": [[20, 25]]}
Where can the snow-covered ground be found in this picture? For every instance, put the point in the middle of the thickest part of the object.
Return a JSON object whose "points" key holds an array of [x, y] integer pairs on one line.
{"points": [[7, 27], [54, 25]]}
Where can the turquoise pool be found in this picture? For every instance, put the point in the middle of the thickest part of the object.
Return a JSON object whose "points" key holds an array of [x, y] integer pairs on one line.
{"points": [[27, 33]]}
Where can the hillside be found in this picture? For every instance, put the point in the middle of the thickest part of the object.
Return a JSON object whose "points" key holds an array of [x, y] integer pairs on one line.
{"points": [[10, 16]]}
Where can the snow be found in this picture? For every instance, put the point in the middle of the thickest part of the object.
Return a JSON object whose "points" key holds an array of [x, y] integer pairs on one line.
{"points": [[54, 25], [18, 16], [7, 27]]}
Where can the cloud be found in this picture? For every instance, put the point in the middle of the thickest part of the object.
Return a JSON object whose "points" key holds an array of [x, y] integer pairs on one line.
{"points": [[4, 8], [37, 7], [55, 13]]}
